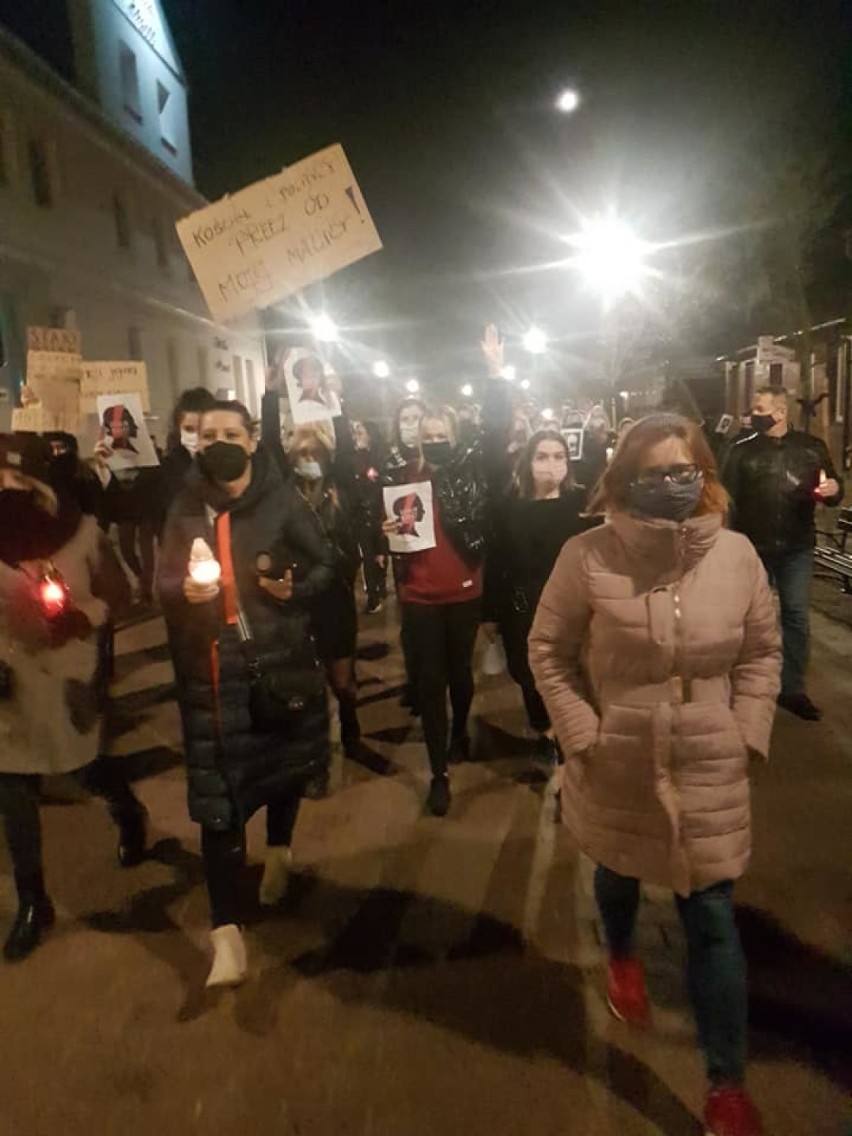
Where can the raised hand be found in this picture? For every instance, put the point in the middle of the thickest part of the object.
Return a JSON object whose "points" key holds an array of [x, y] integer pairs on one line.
{"points": [[492, 349]]}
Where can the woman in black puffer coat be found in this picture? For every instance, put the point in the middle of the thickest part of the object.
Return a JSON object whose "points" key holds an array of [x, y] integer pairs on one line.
{"points": [[238, 504]]}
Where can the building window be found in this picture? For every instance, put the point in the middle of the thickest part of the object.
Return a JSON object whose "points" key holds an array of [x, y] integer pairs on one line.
{"points": [[122, 220], [203, 363], [134, 343], [251, 389], [8, 164], [166, 112], [174, 368], [40, 173], [160, 243], [239, 381], [129, 77]]}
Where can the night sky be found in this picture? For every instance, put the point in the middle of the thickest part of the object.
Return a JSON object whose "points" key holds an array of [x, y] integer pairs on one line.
{"points": [[446, 112]]}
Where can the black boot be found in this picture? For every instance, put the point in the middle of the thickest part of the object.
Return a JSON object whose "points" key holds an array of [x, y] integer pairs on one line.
{"points": [[35, 916], [132, 835], [350, 730]]}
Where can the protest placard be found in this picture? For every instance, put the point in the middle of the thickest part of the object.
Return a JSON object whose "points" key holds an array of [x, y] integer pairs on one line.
{"points": [[53, 382], [279, 235], [123, 436], [411, 506], [125, 376], [302, 376], [64, 339]]}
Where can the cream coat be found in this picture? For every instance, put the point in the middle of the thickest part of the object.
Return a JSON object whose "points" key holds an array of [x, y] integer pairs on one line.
{"points": [[656, 650], [52, 723]]}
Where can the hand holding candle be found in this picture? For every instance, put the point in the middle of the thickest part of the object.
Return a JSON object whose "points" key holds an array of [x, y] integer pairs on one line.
{"points": [[204, 570]]}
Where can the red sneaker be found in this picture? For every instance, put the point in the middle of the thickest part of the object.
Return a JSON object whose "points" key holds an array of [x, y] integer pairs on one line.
{"points": [[625, 990], [730, 1112]]}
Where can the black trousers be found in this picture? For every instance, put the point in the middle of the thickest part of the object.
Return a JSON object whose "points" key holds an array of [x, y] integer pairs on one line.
{"points": [[224, 857], [140, 563], [515, 628], [375, 576], [19, 807], [440, 640]]}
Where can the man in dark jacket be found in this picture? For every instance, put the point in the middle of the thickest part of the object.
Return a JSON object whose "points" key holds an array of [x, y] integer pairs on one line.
{"points": [[776, 476]]}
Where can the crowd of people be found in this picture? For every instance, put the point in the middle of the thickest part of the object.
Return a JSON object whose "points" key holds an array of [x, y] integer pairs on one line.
{"points": [[632, 602]]}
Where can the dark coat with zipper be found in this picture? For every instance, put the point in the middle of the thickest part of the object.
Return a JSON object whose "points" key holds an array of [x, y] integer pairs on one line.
{"points": [[772, 482], [234, 768]]}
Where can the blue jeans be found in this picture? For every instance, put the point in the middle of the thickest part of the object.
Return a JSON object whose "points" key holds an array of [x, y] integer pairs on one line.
{"points": [[716, 967], [791, 573]]}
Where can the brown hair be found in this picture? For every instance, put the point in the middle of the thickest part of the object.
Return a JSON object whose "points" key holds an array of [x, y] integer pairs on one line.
{"points": [[231, 406], [524, 477], [611, 492]]}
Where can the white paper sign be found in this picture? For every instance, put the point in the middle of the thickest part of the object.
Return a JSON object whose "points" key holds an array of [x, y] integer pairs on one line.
{"points": [[573, 436], [123, 434], [53, 392], [279, 235], [125, 376], [301, 375], [411, 506]]}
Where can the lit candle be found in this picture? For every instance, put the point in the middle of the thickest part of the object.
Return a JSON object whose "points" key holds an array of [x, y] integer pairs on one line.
{"points": [[53, 593], [204, 568]]}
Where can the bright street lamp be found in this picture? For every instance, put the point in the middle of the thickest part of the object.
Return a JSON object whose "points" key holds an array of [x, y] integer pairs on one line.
{"points": [[610, 257], [525, 384], [467, 391], [412, 386], [324, 329], [510, 372], [381, 369], [568, 101], [535, 341]]}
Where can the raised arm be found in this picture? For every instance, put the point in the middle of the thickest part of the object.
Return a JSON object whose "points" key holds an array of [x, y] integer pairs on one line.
{"points": [[303, 534]]}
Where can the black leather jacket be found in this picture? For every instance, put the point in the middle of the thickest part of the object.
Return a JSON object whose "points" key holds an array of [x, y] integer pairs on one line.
{"points": [[771, 482]]}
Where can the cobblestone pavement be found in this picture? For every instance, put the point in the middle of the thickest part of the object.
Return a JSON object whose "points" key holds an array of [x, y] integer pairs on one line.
{"points": [[426, 976]]}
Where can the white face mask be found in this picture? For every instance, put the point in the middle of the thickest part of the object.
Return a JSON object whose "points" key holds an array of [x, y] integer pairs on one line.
{"points": [[189, 441], [309, 470], [409, 433]]}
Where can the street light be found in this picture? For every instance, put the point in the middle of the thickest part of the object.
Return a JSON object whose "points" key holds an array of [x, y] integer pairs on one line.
{"points": [[525, 384], [381, 369], [467, 391], [412, 386], [510, 372], [548, 413], [324, 329], [568, 101], [610, 257], [535, 341]]}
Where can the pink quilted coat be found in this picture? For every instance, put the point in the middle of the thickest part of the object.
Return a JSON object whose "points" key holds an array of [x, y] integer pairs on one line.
{"points": [[656, 650]]}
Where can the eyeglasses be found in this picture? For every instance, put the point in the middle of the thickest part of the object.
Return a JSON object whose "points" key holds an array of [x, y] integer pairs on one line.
{"points": [[656, 475]]}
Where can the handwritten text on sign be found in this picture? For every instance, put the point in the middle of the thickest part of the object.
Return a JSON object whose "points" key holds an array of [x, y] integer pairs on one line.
{"points": [[279, 235], [122, 377]]}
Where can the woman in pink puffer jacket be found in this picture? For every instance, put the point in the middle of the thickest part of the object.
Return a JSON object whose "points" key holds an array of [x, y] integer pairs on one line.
{"points": [[656, 650]]}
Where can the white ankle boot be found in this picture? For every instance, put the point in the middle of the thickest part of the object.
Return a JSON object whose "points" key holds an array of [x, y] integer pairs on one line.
{"points": [[230, 964], [276, 872]]}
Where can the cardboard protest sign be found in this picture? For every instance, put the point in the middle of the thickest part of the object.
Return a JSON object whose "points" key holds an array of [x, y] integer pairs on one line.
{"points": [[52, 399], [64, 339], [301, 375], [279, 235], [123, 435], [411, 505], [126, 376]]}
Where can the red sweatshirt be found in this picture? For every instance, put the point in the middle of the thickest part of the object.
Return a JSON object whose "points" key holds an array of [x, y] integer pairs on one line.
{"points": [[438, 575]]}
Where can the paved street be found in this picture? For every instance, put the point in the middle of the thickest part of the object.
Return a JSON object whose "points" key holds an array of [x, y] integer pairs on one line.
{"points": [[428, 976]]}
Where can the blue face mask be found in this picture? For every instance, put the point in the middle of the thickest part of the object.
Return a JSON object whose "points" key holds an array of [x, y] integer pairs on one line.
{"points": [[666, 500], [308, 470]]}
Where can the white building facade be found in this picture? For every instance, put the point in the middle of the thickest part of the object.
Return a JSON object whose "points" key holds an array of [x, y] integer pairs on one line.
{"points": [[92, 182]]}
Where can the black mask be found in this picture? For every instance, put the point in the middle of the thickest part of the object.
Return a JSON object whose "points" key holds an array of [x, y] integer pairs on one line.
{"points": [[437, 453], [223, 461], [666, 501], [762, 422]]}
